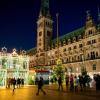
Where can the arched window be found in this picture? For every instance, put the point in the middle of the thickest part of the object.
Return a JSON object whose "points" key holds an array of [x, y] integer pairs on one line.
{"points": [[90, 32], [93, 55], [88, 55], [67, 59], [40, 33], [96, 54]]}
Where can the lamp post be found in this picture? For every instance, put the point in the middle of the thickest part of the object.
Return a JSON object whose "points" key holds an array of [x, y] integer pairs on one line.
{"points": [[59, 69], [57, 15]]}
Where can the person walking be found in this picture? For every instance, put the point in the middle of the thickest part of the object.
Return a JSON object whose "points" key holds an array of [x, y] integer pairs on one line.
{"points": [[67, 81], [81, 82], [76, 84], [40, 86], [14, 83], [60, 83], [18, 82], [71, 82]]}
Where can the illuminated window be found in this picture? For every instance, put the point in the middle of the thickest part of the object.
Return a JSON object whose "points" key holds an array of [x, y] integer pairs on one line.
{"points": [[24, 65], [4, 63], [14, 63], [94, 67]]}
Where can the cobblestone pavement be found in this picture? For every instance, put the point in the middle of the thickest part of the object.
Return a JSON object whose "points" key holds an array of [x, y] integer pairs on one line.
{"points": [[29, 93]]}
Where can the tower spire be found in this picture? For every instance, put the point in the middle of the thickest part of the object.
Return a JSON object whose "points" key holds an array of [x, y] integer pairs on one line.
{"points": [[44, 10]]}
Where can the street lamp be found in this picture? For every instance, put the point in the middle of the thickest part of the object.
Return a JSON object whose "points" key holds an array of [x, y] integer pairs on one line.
{"points": [[57, 35], [59, 69]]}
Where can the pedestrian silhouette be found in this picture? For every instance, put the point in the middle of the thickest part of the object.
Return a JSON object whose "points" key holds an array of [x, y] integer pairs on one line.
{"points": [[14, 83], [60, 83], [40, 86]]}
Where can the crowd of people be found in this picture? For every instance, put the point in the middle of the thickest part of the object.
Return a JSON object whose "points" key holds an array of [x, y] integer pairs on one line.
{"points": [[76, 83], [73, 83], [12, 82]]}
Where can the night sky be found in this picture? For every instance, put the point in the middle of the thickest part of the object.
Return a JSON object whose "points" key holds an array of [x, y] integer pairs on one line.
{"points": [[18, 19]]}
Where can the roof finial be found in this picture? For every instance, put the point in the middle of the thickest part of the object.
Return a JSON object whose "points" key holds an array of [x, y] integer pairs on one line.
{"points": [[89, 20], [88, 12]]}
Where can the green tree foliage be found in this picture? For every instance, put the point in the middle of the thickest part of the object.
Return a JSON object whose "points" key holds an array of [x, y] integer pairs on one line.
{"points": [[59, 69]]}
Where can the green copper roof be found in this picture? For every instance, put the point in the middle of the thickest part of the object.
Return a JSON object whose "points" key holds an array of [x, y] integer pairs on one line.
{"points": [[74, 33], [31, 51]]}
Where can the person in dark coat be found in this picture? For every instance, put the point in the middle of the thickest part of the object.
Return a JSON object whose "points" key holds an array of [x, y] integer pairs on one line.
{"points": [[67, 81], [97, 80], [18, 83], [81, 82], [14, 83], [40, 86], [60, 83]]}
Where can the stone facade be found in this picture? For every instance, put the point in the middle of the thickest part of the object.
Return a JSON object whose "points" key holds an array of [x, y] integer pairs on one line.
{"points": [[77, 49]]}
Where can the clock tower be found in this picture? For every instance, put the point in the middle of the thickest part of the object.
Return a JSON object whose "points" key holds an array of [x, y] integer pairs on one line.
{"points": [[44, 31]]}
